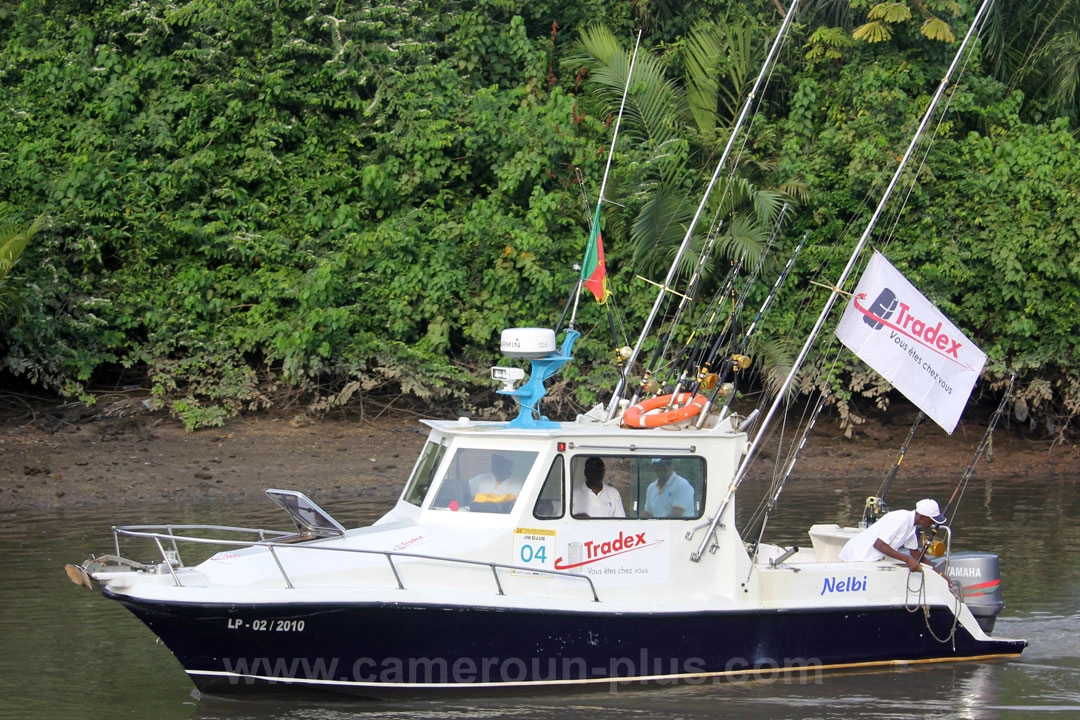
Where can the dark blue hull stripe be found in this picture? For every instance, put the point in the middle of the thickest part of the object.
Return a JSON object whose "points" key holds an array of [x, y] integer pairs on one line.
{"points": [[366, 647]]}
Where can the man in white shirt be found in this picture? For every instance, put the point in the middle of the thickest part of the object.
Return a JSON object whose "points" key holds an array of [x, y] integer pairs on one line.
{"points": [[593, 498], [894, 535], [670, 495]]}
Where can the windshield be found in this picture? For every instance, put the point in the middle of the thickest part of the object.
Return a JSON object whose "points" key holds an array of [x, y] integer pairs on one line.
{"points": [[483, 480], [424, 473]]}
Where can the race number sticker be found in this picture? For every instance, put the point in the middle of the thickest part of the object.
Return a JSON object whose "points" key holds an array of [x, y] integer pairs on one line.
{"points": [[533, 549]]}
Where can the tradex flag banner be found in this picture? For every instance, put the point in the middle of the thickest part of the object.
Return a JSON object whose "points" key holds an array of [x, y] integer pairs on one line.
{"points": [[901, 335]]}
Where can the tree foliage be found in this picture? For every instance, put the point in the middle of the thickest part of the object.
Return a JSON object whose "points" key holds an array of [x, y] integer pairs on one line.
{"points": [[240, 200], [14, 237]]}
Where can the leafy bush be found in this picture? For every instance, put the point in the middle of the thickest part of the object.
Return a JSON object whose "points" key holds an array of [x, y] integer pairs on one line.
{"points": [[248, 203]]}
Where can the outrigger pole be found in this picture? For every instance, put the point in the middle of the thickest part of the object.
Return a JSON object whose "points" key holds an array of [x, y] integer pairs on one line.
{"points": [[607, 168], [666, 286], [781, 394], [778, 487]]}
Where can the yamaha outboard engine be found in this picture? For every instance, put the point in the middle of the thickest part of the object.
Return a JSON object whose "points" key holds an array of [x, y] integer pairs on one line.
{"points": [[979, 576]]}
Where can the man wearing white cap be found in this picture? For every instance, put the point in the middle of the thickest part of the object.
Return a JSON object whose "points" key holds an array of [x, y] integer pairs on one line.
{"points": [[893, 534]]}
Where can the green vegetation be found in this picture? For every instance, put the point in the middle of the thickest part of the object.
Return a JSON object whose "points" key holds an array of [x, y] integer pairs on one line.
{"points": [[237, 201], [13, 242]]}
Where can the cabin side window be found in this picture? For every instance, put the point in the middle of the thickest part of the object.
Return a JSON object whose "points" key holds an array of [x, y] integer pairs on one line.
{"points": [[549, 504], [424, 473], [483, 480], [660, 487]]}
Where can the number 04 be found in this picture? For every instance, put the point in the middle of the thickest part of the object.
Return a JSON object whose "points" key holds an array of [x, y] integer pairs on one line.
{"points": [[530, 553]]}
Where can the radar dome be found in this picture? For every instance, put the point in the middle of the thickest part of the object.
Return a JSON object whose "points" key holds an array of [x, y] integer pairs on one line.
{"points": [[528, 343]]}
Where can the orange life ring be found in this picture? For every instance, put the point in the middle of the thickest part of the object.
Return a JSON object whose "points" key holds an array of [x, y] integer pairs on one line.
{"points": [[682, 406]]}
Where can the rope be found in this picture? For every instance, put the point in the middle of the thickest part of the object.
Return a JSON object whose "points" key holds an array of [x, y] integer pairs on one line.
{"points": [[923, 605]]}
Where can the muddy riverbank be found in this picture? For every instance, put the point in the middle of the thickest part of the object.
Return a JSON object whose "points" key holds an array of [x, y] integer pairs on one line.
{"points": [[69, 456]]}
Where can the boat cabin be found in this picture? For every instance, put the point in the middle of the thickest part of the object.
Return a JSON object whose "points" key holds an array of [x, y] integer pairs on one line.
{"points": [[465, 467], [483, 490]]}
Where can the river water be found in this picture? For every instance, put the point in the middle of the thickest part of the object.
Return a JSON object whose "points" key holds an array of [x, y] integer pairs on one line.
{"points": [[69, 653]]}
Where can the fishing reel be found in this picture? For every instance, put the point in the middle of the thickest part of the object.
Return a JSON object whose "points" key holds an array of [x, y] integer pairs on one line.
{"points": [[930, 543], [711, 381], [875, 509], [649, 385]]}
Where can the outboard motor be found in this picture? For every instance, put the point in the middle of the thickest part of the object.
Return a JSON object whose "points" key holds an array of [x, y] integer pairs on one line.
{"points": [[979, 576]]}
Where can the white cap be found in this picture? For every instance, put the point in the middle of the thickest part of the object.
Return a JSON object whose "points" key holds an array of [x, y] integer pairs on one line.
{"points": [[929, 508]]}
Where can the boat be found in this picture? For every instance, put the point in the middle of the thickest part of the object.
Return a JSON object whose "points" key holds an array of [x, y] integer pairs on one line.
{"points": [[496, 571]]}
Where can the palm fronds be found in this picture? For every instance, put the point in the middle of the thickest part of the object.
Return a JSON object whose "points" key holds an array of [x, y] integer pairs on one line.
{"points": [[13, 241]]}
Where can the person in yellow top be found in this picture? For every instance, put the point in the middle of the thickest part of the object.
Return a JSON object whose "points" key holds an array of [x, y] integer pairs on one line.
{"points": [[498, 489]]}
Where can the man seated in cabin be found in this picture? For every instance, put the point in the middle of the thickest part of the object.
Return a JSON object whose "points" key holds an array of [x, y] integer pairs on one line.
{"points": [[894, 535], [497, 490], [670, 495], [594, 499]]}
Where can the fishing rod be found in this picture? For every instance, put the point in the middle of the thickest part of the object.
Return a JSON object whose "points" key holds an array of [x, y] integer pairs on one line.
{"points": [[875, 506], [775, 288], [752, 277], [616, 396], [723, 338], [697, 352], [694, 354], [694, 350], [728, 331], [686, 297], [594, 228], [738, 359], [751, 451], [929, 539], [652, 366], [970, 470]]}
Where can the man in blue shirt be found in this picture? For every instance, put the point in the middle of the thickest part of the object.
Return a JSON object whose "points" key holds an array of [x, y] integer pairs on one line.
{"points": [[670, 495]]}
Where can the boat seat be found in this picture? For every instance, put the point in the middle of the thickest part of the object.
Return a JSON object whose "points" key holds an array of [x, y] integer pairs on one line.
{"points": [[829, 539]]}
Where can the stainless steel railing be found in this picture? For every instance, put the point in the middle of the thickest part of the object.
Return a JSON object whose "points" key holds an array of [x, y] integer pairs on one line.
{"points": [[166, 539]]}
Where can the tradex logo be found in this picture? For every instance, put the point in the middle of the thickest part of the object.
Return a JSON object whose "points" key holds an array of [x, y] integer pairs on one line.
{"points": [[597, 551], [880, 313], [406, 543]]}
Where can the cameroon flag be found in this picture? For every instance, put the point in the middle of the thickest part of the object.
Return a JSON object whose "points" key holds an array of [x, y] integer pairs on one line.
{"points": [[593, 270]]}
